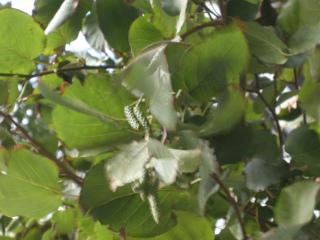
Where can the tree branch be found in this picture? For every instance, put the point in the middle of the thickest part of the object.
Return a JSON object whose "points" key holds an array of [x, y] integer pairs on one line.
{"points": [[222, 7], [204, 6], [216, 23], [56, 71], [232, 201], [297, 75], [273, 114], [65, 169]]}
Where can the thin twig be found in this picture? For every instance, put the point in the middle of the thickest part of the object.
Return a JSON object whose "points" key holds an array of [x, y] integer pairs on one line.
{"points": [[3, 227], [273, 114], [200, 27], [56, 71], [61, 165], [232, 201], [204, 6], [222, 7], [123, 234], [296, 74], [164, 135]]}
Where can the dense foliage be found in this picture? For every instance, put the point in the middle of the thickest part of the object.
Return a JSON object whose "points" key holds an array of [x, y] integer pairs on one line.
{"points": [[184, 120]]}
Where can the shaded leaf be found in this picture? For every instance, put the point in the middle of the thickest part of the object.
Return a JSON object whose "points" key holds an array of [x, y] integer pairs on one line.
{"points": [[303, 145], [296, 203], [228, 113], [265, 44], [189, 227], [260, 174], [111, 12], [309, 99], [300, 18], [93, 33], [281, 233], [66, 10], [243, 9], [125, 208], [207, 186]]}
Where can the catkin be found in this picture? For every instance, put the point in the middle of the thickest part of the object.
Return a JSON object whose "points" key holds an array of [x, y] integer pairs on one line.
{"points": [[131, 118]]}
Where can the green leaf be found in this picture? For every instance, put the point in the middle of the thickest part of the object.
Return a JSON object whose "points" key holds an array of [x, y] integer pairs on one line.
{"points": [[8, 92], [144, 5], [171, 7], [68, 31], [93, 230], [149, 75], [32, 181], [299, 43], [243, 9], [208, 166], [64, 222], [261, 173], [102, 232], [16, 55], [227, 115], [208, 67], [128, 165], [266, 166], [116, 11], [125, 208], [143, 33], [297, 14], [188, 160], [163, 161], [309, 99], [165, 23], [300, 18], [4, 157], [296, 203], [233, 146], [132, 212], [44, 11], [281, 233], [265, 44], [96, 191], [303, 145], [93, 33], [189, 227], [66, 10], [84, 121]]}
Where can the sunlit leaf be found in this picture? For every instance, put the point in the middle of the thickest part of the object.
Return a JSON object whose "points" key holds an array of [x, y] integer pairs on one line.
{"points": [[30, 179], [82, 118], [15, 55]]}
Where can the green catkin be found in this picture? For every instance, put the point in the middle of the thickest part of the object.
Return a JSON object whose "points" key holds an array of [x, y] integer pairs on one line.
{"points": [[140, 117], [153, 205], [131, 118]]}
